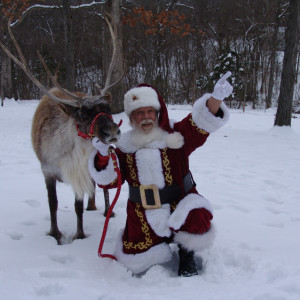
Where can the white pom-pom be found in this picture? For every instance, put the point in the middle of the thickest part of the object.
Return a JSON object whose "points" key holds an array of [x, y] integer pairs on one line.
{"points": [[174, 140]]}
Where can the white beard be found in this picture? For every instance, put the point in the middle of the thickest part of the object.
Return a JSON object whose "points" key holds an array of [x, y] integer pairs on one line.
{"points": [[157, 138], [141, 139]]}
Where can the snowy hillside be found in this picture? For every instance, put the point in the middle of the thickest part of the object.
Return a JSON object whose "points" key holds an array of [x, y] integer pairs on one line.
{"points": [[249, 171]]}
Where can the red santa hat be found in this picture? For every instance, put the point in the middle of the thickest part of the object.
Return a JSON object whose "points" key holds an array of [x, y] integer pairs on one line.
{"points": [[145, 95]]}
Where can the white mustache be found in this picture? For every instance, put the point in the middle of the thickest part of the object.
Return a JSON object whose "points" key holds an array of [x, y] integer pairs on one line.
{"points": [[146, 122]]}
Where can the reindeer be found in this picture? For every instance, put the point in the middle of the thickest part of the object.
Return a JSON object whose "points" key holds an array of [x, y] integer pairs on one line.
{"points": [[62, 128]]}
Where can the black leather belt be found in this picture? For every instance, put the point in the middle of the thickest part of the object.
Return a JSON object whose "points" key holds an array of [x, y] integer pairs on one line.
{"points": [[152, 197]]}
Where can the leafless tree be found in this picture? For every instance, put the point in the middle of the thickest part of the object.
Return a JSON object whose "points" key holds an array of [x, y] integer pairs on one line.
{"points": [[288, 77]]}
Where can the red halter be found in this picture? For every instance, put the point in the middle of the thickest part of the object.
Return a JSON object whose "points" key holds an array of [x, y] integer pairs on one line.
{"points": [[91, 132]]}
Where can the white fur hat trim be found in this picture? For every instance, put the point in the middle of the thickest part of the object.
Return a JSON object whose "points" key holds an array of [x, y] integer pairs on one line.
{"points": [[140, 97]]}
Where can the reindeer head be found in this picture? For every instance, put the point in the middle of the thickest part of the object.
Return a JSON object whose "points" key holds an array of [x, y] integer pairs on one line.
{"points": [[94, 119]]}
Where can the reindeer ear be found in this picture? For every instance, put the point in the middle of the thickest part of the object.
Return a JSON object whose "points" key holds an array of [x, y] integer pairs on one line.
{"points": [[70, 111], [107, 97]]}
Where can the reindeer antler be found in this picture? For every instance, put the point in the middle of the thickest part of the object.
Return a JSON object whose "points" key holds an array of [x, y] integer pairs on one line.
{"points": [[54, 80], [113, 33]]}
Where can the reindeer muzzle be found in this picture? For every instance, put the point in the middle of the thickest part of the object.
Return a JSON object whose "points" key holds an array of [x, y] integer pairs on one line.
{"points": [[111, 132]]}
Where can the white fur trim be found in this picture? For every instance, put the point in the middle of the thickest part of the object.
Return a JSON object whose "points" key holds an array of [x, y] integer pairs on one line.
{"points": [[158, 219], [141, 262], [150, 171], [188, 203], [103, 177], [140, 97], [196, 242], [174, 140], [204, 119]]}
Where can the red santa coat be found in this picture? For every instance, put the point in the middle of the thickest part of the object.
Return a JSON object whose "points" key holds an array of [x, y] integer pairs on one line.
{"points": [[187, 221]]}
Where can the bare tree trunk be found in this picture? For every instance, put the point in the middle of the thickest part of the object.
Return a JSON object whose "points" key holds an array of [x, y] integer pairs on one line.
{"points": [[117, 91], [288, 76], [6, 83], [254, 82], [273, 59], [69, 46], [271, 80]]}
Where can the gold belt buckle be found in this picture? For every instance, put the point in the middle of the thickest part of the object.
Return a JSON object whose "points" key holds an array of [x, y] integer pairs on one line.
{"points": [[154, 188]]}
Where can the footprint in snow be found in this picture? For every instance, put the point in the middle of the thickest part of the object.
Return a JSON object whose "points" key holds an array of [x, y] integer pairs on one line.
{"points": [[274, 200], [16, 236], [28, 223], [58, 274], [239, 208], [275, 225], [50, 290], [62, 259], [33, 203], [276, 211]]}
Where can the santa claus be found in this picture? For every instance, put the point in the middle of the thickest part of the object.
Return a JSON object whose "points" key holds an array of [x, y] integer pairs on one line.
{"points": [[164, 205]]}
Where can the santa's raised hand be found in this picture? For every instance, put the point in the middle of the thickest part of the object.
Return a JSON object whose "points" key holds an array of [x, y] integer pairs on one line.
{"points": [[223, 88]]}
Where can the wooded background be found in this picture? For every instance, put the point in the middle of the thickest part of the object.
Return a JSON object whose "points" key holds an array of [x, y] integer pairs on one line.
{"points": [[179, 47]]}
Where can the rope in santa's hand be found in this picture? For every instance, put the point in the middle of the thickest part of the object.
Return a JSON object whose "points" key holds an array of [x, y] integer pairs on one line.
{"points": [[112, 154]]}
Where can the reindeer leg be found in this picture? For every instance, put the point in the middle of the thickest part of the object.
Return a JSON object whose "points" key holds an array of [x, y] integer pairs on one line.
{"points": [[106, 201], [79, 212], [92, 203], [53, 204]]}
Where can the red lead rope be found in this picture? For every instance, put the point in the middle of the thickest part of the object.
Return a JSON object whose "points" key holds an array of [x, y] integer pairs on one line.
{"points": [[91, 132], [104, 231]]}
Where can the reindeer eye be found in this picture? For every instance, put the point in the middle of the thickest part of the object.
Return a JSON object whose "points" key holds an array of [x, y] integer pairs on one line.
{"points": [[83, 114]]}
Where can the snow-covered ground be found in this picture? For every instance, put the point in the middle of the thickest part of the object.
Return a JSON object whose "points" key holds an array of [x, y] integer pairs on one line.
{"points": [[249, 170]]}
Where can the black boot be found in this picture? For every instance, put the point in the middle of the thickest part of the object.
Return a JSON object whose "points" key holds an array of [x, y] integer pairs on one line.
{"points": [[187, 265]]}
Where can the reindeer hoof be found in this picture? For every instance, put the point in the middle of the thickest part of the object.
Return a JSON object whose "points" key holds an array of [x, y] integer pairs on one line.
{"points": [[57, 235], [111, 216], [91, 207], [79, 236]]}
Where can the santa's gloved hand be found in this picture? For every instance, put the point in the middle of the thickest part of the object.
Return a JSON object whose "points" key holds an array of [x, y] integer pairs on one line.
{"points": [[223, 88], [101, 147]]}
